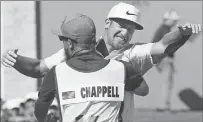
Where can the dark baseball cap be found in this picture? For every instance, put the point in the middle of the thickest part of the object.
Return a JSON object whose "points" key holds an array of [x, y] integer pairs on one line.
{"points": [[77, 27]]}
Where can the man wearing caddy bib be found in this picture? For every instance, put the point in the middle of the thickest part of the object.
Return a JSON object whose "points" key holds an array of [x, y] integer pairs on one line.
{"points": [[88, 87]]}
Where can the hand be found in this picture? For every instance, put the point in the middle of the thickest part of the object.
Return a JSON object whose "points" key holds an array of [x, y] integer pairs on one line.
{"points": [[189, 29], [9, 58]]}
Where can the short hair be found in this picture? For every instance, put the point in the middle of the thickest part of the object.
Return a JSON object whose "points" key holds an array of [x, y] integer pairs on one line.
{"points": [[16, 109], [30, 100], [22, 105], [54, 107]]}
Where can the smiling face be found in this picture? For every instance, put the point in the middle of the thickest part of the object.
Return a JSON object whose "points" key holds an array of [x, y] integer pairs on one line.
{"points": [[119, 32]]}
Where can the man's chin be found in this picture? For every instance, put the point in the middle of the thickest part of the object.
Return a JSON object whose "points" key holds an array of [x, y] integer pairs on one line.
{"points": [[119, 46]]}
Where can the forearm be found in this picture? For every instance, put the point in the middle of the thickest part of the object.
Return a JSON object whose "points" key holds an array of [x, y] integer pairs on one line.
{"points": [[29, 66], [170, 43], [173, 41], [41, 110], [133, 82], [46, 96], [174, 44], [142, 90]]}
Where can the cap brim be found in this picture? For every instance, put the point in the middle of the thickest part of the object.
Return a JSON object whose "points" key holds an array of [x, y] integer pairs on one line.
{"points": [[138, 26], [56, 29]]}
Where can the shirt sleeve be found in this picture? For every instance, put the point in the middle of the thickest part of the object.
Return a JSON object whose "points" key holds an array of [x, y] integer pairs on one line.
{"points": [[55, 59], [45, 96], [140, 57]]}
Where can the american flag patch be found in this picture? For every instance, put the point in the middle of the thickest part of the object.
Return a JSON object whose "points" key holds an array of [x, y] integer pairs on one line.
{"points": [[68, 95]]}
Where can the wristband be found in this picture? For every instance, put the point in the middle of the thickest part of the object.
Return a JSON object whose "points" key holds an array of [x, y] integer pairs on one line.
{"points": [[181, 31], [184, 31]]}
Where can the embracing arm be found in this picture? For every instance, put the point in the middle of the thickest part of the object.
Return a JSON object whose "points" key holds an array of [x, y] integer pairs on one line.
{"points": [[137, 85], [168, 44], [144, 56], [172, 41], [32, 67], [142, 89], [46, 96], [134, 81]]}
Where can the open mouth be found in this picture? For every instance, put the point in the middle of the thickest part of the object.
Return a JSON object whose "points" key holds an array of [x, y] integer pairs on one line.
{"points": [[121, 39]]}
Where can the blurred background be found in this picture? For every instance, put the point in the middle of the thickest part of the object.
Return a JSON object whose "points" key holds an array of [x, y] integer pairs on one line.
{"points": [[26, 25]]}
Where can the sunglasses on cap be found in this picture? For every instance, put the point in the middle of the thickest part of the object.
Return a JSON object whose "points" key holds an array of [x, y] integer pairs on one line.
{"points": [[62, 38]]}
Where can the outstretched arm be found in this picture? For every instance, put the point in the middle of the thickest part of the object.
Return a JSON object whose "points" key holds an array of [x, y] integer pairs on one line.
{"points": [[144, 56], [29, 66], [172, 41]]}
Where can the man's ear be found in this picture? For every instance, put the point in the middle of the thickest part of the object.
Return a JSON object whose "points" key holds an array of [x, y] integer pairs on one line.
{"points": [[107, 23], [70, 43]]}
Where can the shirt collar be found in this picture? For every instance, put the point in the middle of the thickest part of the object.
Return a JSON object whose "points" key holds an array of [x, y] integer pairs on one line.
{"points": [[87, 62], [101, 47]]}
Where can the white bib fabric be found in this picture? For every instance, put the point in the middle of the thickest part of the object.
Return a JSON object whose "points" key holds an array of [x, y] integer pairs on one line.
{"points": [[96, 94]]}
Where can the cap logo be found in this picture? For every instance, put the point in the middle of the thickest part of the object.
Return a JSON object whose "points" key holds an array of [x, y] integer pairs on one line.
{"points": [[127, 12]]}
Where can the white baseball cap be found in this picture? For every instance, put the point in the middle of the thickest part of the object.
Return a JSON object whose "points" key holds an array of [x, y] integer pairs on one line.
{"points": [[127, 12], [171, 15]]}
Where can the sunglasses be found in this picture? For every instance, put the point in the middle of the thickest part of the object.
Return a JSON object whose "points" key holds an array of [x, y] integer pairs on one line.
{"points": [[63, 38]]}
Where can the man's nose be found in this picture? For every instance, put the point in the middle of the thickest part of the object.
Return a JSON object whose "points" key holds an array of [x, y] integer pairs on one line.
{"points": [[124, 32]]}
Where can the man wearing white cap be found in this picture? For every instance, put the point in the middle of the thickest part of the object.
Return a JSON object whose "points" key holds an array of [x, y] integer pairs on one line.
{"points": [[120, 25], [170, 19]]}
